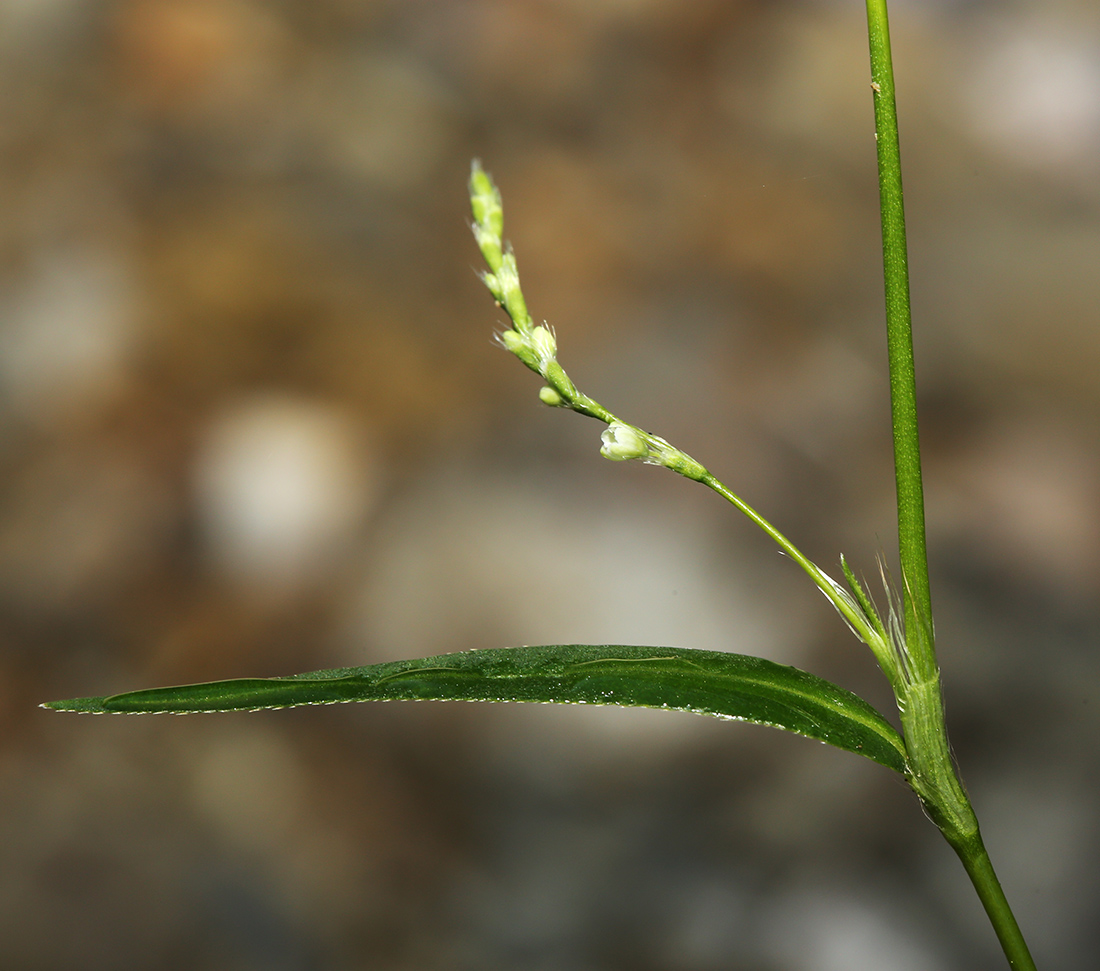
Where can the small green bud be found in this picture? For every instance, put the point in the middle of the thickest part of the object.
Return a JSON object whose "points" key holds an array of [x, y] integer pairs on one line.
{"points": [[518, 344], [493, 284], [512, 341], [550, 397], [544, 344], [485, 200], [555, 376], [490, 246], [511, 295], [622, 442]]}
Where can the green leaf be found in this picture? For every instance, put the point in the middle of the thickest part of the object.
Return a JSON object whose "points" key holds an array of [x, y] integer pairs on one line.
{"points": [[706, 682]]}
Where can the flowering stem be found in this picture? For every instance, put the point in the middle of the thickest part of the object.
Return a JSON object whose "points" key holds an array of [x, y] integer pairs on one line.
{"points": [[847, 609], [536, 346]]}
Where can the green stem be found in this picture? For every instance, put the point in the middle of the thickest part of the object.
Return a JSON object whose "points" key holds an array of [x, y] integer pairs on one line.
{"points": [[974, 857], [934, 776], [899, 338]]}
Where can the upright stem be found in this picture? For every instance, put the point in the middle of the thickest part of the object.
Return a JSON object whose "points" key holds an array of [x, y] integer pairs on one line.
{"points": [[933, 774], [899, 338]]}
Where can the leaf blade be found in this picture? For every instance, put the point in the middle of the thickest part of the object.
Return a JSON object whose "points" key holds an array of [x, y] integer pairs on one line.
{"points": [[731, 686]]}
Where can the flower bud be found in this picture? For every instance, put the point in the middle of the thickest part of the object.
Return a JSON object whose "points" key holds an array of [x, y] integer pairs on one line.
{"points": [[622, 442], [544, 343], [485, 200], [512, 341], [494, 286], [511, 295], [550, 397], [557, 378], [489, 244]]}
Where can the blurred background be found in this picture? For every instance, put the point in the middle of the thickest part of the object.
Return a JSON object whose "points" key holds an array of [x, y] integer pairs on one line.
{"points": [[252, 422]]}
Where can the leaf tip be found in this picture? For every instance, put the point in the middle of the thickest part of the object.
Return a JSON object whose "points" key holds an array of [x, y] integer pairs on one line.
{"points": [[83, 705]]}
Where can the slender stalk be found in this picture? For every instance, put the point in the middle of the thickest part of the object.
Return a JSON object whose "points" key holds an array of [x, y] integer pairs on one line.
{"points": [[974, 857], [934, 776], [845, 606]]}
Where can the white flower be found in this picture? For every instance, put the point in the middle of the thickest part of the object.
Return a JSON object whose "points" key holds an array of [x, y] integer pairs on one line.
{"points": [[622, 442]]}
